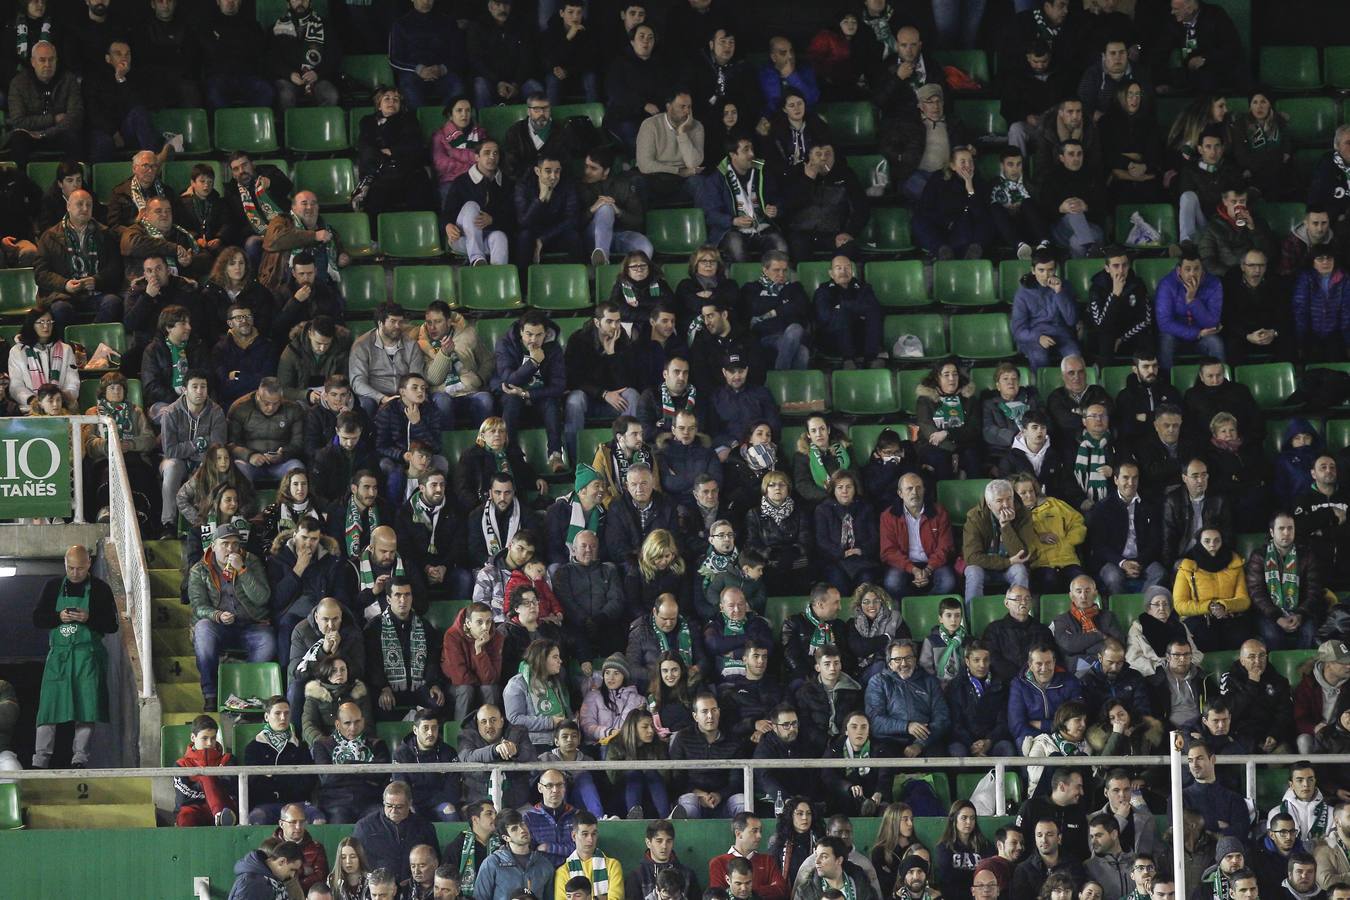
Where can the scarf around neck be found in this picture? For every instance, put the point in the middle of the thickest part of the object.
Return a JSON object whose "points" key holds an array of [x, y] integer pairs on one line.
{"points": [[549, 701], [349, 751], [598, 874], [354, 534], [277, 740], [715, 563], [491, 539], [1086, 618], [822, 633], [821, 470], [1091, 456], [367, 569], [684, 641], [687, 402], [950, 412], [120, 413], [404, 672], [1281, 575], [258, 209], [778, 513], [81, 249], [949, 664], [1159, 634]]}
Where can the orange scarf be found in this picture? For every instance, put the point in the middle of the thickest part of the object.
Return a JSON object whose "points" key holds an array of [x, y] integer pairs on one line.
{"points": [[1087, 618]]}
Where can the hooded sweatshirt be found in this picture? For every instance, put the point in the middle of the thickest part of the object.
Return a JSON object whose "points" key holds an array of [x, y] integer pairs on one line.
{"points": [[255, 881]]}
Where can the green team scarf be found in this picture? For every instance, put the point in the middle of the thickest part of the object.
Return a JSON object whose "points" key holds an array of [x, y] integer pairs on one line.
{"points": [[178, 367], [715, 563], [1321, 820], [731, 664], [684, 641], [351, 528], [599, 874], [819, 473], [356, 750], [258, 211], [424, 515], [328, 248], [1282, 577], [1014, 410], [21, 43], [367, 569], [1066, 747], [863, 752], [849, 889], [1090, 458], [749, 198], [396, 665], [468, 860], [822, 632], [1220, 887], [949, 664], [550, 702], [1044, 30], [951, 413], [277, 740], [120, 413], [81, 249]]}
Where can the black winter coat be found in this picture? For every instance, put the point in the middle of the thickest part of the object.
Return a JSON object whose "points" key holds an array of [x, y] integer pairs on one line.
{"points": [[974, 716]]}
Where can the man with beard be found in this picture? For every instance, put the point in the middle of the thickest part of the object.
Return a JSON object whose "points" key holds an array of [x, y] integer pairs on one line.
{"points": [[1144, 393]]}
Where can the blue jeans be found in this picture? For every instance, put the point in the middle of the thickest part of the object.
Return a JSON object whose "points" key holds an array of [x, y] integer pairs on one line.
{"points": [[1039, 357], [579, 408], [998, 748], [601, 235], [1113, 580], [485, 92], [899, 583], [269, 813], [787, 344], [137, 131], [727, 809], [238, 90], [550, 411], [977, 578], [1075, 232], [1276, 638], [1190, 217], [492, 245], [584, 795], [913, 187], [590, 87], [957, 22], [472, 408], [270, 472], [417, 92], [210, 637], [1169, 344], [253, 250], [638, 786]]}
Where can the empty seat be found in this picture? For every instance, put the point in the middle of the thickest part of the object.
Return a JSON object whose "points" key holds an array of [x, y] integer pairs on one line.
{"points": [[1052, 606], [18, 292], [1270, 383], [852, 123], [982, 336], [868, 392], [248, 681], [364, 288], [887, 231], [1338, 433], [248, 128], [1311, 119], [1010, 273], [331, 180], [959, 496], [90, 336], [108, 175], [1290, 68], [1161, 216], [190, 123], [491, 330], [496, 119], [369, 70], [1153, 270], [797, 386], [409, 235], [1113, 379], [812, 275], [745, 272], [416, 286], [316, 129], [897, 283], [984, 118], [964, 282], [354, 229], [1336, 63], [430, 119], [490, 288], [1281, 217], [1079, 274], [927, 327], [1126, 607], [676, 232], [906, 388], [593, 111], [985, 610], [558, 287], [864, 166]]}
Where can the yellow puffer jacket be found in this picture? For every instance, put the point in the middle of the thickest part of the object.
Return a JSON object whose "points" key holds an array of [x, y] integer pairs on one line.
{"points": [[1054, 516], [1195, 588]]}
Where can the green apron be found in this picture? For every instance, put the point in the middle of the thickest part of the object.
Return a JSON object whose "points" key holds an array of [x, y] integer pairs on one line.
{"points": [[73, 680]]}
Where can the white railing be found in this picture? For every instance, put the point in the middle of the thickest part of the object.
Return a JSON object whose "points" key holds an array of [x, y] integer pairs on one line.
{"points": [[1000, 765], [126, 537]]}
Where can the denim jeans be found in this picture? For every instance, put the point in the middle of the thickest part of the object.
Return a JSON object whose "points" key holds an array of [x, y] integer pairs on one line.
{"points": [[727, 809], [269, 472], [470, 409], [590, 87], [550, 411], [1276, 638], [1075, 232], [899, 583], [639, 786], [600, 234], [957, 22], [579, 408], [1190, 217], [583, 794], [418, 92], [475, 244], [998, 748], [172, 474], [210, 637], [1039, 357], [787, 345], [1169, 344], [1113, 580], [485, 92], [137, 131], [977, 578], [238, 90], [253, 250]]}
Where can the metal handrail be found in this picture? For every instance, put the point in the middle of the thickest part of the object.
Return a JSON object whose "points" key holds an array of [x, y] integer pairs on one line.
{"points": [[126, 537]]}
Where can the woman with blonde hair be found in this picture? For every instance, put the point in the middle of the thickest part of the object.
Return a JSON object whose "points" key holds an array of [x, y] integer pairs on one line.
{"points": [[659, 569], [490, 455], [536, 696], [348, 876], [708, 282], [875, 623], [895, 838], [783, 531]]}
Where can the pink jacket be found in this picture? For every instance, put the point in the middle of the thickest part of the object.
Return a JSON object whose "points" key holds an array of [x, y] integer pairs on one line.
{"points": [[452, 162]]}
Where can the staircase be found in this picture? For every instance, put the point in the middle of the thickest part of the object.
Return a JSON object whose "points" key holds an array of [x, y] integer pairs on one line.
{"points": [[176, 678], [96, 803]]}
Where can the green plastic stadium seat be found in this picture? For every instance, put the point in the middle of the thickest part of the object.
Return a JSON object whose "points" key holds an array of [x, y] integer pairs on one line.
{"points": [[1126, 608], [496, 119], [190, 123], [921, 613], [316, 129], [369, 70], [898, 283], [964, 282], [430, 119], [1153, 270], [1049, 378], [354, 229], [354, 117], [864, 437], [1338, 433], [110, 333], [797, 386], [1288, 663], [490, 330], [1270, 383], [593, 111], [1290, 68], [1271, 783], [364, 287], [983, 377], [605, 276], [1311, 119], [960, 496], [1217, 662], [982, 117], [18, 292], [455, 441], [888, 231], [1183, 377], [590, 438], [1079, 273], [1281, 217], [1010, 273], [569, 326], [864, 166], [984, 611], [490, 288], [906, 386], [331, 180], [177, 173], [248, 680], [558, 287], [173, 741], [43, 172], [676, 232], [865, 392], [927, 327], [852, 124], [973, 62], [409, 235], [812, 275], [450, 733], [1336, 63], [744, 272], [108, 175], [392, 733], [249, 128], [1161, 216], [1113, 379], [982, 336], [1052, 606], [416, 286]]}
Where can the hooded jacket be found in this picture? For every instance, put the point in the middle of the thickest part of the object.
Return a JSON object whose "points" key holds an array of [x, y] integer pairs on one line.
{"points": [[1293, 464], [502, 876], [1038, 311], [1028, 701], [1223, 243], [300, 371], [893, 703], [185, 436], [1315, 699], [1204, 402], [297, 595], [251, 590], [374, 374], [253, 880], [1322, 311], [824, 711], [515, 367], [1195, 588], [461, 664], [1053, 516], [1184, 321], [598, 719], [966, 435]]}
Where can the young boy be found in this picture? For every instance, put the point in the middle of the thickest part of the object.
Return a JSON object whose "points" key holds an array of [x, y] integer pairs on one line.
{"points": [[941, 655], [581, 791], [891, 459], [203, 799], [535, 574], [747, 575], [1016, 216], [203, 209]]}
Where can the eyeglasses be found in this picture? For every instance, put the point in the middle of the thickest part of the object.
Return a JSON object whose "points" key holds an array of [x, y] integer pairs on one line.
{"points": [[723, 534], [552, 785], [793, 724], [896, 659], [246, 317], [638, 267], [395, 807], [1181, 655]]}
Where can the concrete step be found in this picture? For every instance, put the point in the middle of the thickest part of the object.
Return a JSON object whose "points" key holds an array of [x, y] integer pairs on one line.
{"points": [[171, 642], [164, 554], [85, 793], [176, 670], [112, 815], [169, 613], [166, 582], [180, 697], [177, 718]]}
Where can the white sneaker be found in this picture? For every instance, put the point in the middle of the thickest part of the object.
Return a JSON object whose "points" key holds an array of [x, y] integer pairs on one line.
{"points": [[174, 140], [1024, 251], [599, 257]]}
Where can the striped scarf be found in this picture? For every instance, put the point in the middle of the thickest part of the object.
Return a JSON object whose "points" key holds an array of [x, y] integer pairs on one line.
{"points": [[353, 534], [715, 563], [949, 664], [21, 43], [684, 641], [1087, 464], [81, 249], [44, 363], [258, 210], [368, 569], [325, 252], [403, 672], [1282, 577], [120, 413], [468, 860], [599, 874], [138, 193], [668, 409]]}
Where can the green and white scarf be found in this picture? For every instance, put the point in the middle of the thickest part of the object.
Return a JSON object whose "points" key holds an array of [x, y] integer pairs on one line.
{"points": [[81, 249], [1282, 577], [44, 363], [849, 889], [347, 752], [949, 664], [1090, 458], [1044, 29], [548, 703], [822, 632], [238, 523], [1014, 410], [599, 874], [426, 516], [622, 460], [684, 641], [819, 472], [138, 195], [258, 210], [1321, 821], [950, 412], [1066, 747], [351, 527], [579, 520], [748, 196], [732, 664], [325, 252], [178, 367], [668, 409], [120, 413], [403, 673], [22, 45], [1219, 885], [277, 740], [715, 563], [630, 296], [367, 569], [468, 860], [863, 752]]}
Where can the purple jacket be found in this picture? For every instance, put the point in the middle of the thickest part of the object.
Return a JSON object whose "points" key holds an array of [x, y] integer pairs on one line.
{"points": [[1186, 322], [1322, 312]]}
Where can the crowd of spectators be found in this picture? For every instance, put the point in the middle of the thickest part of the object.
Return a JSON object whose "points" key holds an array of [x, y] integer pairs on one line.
{"points": [[617, 590]]}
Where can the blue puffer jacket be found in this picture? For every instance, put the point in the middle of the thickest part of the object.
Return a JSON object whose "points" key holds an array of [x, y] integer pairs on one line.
{"points": [[1322, 311], [1028, 701], [1038, 310], [500, 876], [1293, 465], [893, 703]]}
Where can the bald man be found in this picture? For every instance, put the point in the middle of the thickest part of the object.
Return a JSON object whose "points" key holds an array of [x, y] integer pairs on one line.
{"points": [[328, 630], [78, 610], [377, 566], [129, 197], [69, 275], [302, 229]]}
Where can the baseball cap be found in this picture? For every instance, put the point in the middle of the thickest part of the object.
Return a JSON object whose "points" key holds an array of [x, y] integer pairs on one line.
{"points": [[1334, 652], [734, 361]]}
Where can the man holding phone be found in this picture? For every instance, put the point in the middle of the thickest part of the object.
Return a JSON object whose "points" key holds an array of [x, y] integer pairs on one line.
{"points": [[78, 609], [229, 595]]}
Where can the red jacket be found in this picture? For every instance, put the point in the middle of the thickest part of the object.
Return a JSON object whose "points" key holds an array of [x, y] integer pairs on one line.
{"points": [[461, 664], [1308, 701], [548, 601], [935, 531], [314, 865], [766, 878]]}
